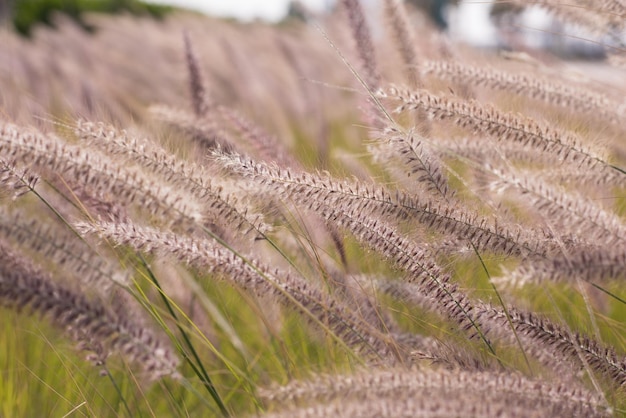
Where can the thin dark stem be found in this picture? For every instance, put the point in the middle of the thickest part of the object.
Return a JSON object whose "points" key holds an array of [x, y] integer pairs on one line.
{"points": [[197, 367], [119, 392]]}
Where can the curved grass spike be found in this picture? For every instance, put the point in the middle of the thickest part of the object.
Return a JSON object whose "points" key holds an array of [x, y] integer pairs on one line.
{"points": [[415, 156], [598, 16], [404, 39], [89, 322], [571, 211], [419, 160], [361, 35], [205, 376], [50, 155], [573, 98], [217, 205], [502, 126], [599, 358], [321, 190], [318, 194], [218, 239], [542, 256], [401, 383], [587, 244], [302, 188], [225, 262], [62, 246], [199, 99]]}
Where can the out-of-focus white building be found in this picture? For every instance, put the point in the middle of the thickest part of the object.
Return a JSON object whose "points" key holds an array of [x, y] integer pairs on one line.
{"points": [[534, 28]]}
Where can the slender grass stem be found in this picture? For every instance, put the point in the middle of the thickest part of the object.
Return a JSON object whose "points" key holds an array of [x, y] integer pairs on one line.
{"points": [[194, 361], [121, 396]]}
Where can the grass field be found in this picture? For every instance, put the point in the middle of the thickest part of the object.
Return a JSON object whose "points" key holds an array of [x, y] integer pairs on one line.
{"points": [[205, 218]]}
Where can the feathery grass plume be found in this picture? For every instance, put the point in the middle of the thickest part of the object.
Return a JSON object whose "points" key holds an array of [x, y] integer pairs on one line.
{"points": [[318, 195], [573, 98], [447, 355], [199, 99], [217, 206], [471, 316], [581, 351], [35, 73], [592, 264], [490, 324], [404, 39], [63, 248], [393, 225], [569, 175], [313, 193], [205, 131], [360, 293], [485, 152], [502, 126], [428, 348], [265, 146], [291, 291], [322, 193], [15, 181], [89, 322], [591, 17], [405, 43], [362, 38], [416, 156], [49, 154], [438, 402], [567, 211], [404, 384], [614, 11], [428, 405]]}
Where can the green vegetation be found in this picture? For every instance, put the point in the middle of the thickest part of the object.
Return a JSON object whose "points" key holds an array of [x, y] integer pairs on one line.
{"points": [[27, 13]]}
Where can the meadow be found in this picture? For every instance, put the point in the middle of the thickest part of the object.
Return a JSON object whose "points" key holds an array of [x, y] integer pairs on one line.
{"points": [[347, 217]]}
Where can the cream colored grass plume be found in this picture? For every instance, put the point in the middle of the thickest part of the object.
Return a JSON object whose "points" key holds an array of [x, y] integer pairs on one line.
{"points": [[255, 277], [431, 281], [58, 158], [402, 385], [217, 205], [571, 98], [98, 329], [94, 270], [322, 193], [420, 163], [503, 126], [598, 16]]}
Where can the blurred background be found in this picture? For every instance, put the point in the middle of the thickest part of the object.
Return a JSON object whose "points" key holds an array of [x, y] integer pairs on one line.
{"points": [[479, 23]]}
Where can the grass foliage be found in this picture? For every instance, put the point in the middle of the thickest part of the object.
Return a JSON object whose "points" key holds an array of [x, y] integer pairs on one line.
{"points": [[28, 13], [202, 218]]}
